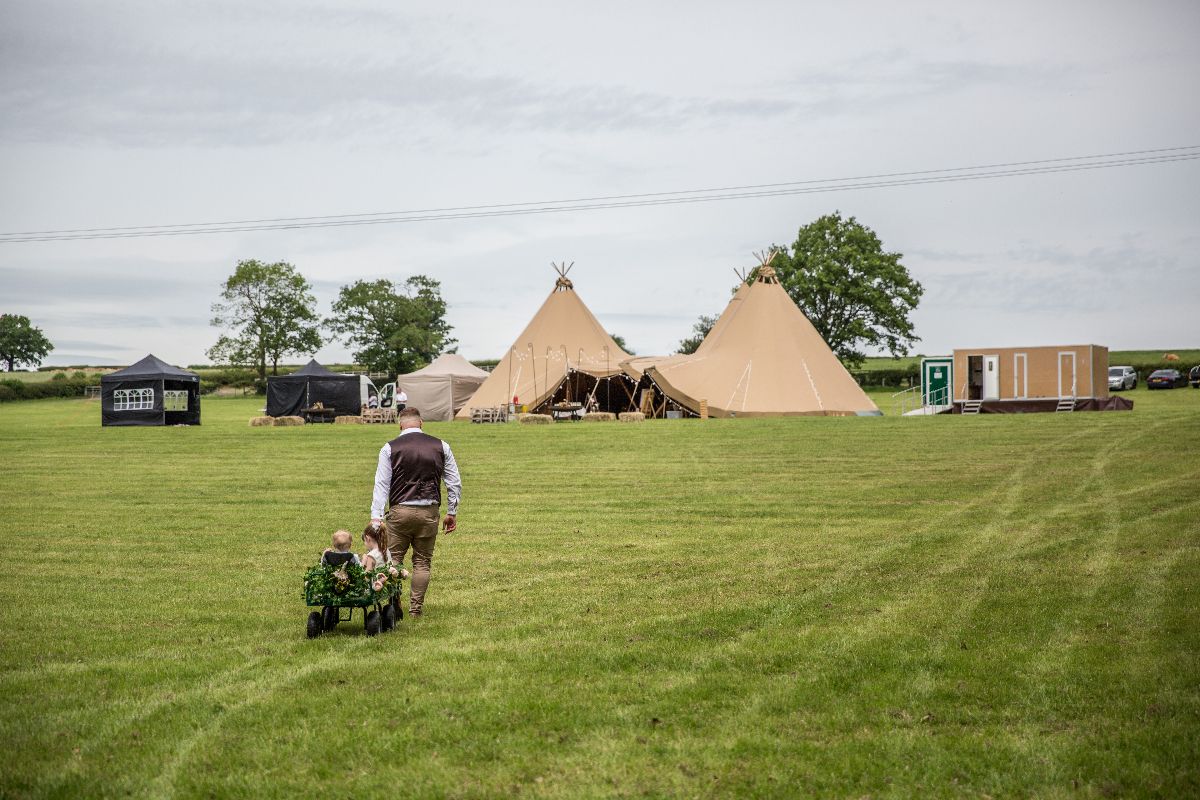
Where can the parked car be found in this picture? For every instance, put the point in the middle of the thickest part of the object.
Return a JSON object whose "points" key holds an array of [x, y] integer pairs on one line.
{"points": [[1194, 377], [1165, 379], [1122, 378]]}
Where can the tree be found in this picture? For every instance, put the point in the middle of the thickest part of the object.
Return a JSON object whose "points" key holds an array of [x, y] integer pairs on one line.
{"points": [[620, 342], [20, 342], [699, 331], [852, 291], [396, 328], [272, 313]]}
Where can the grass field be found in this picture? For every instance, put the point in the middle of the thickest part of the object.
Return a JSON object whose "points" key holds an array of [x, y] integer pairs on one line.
{"points": [[995, 606]]}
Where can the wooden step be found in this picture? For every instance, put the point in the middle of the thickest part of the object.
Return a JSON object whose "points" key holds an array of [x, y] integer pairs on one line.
{"points": [[1065, 405], [971, 406]]}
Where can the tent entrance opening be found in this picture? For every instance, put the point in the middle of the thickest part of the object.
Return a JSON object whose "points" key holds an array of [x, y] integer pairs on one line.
{"points": [[613, 394]]}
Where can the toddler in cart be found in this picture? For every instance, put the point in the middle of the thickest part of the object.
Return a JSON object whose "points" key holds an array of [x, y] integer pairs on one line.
{"points": [[340, 553]]}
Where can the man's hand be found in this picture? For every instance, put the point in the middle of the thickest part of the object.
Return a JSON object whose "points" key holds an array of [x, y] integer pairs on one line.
{"points": [[449, 523]]}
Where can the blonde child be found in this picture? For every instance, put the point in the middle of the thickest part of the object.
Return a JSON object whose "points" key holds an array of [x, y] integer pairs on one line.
{"points": [[339, 553]]}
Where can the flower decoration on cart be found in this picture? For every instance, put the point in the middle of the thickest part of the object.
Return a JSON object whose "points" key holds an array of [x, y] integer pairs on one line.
{"points": [[350, 584]]}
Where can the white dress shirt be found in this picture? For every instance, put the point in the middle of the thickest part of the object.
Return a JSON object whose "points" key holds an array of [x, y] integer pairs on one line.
{"points": [[383, 481]]}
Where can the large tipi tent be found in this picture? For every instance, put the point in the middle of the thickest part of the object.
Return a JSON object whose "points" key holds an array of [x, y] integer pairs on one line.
{"points": [[442, 388], [563, 350], [150, 392], [289, 395], [762, 358]]}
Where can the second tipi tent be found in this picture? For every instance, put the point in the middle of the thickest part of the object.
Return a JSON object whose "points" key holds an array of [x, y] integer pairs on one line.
{"points": [[762, 358]]}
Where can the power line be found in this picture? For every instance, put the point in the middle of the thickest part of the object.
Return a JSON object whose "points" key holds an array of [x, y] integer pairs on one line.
{"points": [[812, 186]]}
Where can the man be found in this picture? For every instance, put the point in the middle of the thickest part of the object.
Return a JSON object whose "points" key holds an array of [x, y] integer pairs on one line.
{"points": [[407, 495], [401, 399]]}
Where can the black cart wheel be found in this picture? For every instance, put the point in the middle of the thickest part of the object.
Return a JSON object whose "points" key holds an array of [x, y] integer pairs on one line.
{"points": [[389, 617], [372, 623], [330, 617], [314, 624]]}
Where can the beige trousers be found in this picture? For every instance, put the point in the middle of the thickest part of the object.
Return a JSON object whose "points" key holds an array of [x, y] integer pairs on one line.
{"points": [[415, 526]]}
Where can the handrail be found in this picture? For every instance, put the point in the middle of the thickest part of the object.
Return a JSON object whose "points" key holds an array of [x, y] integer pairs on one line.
{"points": [[915, 397]]}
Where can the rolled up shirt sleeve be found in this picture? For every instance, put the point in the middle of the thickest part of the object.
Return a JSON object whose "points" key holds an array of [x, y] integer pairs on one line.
{"points": [[452, 479], [383, 482]]}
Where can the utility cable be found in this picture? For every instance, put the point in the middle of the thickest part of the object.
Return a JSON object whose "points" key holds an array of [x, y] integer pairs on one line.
{"points": [[813, 186]]}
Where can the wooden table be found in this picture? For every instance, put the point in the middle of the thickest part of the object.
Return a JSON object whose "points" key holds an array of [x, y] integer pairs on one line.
{"points": [[319, 414], [569, 411]]}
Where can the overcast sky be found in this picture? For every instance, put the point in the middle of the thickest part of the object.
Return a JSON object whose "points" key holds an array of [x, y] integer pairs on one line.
{"points": [[156, 112]]}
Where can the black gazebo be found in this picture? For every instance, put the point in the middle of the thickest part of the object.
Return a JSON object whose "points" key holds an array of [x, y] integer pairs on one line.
{"points": [[289, 395], [151, 392]]}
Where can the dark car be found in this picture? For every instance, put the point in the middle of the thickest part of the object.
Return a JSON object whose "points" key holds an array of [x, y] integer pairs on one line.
{"points": [[1165, 379], [1194, 377]]}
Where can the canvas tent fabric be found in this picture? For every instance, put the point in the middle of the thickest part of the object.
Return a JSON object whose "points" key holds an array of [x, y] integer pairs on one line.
{"points": [[636, 367], [288, 395], [442, 388], [563, 337], [137, 395], [762, 358]]}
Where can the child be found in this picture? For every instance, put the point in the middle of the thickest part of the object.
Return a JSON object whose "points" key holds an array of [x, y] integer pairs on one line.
{"points": [[340, 553], [375, 541]]}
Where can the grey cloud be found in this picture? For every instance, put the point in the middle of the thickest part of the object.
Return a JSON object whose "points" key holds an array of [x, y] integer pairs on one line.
{"points": [[100, 281], [87, 346], [115, 321]]}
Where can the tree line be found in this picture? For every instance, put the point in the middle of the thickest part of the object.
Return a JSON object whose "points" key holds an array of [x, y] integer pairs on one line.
{"points": [[270, 313]]}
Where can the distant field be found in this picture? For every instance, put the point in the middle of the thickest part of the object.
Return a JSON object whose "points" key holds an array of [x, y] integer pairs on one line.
{"points": [[38, 377], [992, 606]]}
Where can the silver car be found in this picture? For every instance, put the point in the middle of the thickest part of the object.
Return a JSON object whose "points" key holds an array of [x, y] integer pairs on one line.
{"points": [[1122, 378]]}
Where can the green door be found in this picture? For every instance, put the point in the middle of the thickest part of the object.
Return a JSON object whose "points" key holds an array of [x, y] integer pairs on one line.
{"points": [[936, 381]]}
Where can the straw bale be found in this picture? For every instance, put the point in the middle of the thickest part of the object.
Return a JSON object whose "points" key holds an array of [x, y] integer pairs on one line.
{"points": [[261, 422], [284, 422], [347, 419], [632, 416], [535, 419], [599, 416]]}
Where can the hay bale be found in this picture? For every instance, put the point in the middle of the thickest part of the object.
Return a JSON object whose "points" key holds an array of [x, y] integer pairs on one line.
{"points": [[285, 422], [599, 416], [261, 422], [535, 419], [347, 419], [632, 416]]}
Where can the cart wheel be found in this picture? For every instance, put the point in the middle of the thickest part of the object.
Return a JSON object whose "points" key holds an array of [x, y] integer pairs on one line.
{"points": [[372, 623], [389, 617], [331, 617], [314, 624]]}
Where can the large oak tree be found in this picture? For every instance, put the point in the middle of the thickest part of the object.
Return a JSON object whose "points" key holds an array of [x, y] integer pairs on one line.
{"points": [[270, 312], [856, 293], [395, 328], [21, 342]]}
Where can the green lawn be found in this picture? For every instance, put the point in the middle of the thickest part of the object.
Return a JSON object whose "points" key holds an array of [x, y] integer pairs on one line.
{"points": [[992, 606]]}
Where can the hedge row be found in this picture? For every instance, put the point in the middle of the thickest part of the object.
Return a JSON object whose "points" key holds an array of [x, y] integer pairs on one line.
{"points": [[898, 377], [11, 389]]}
